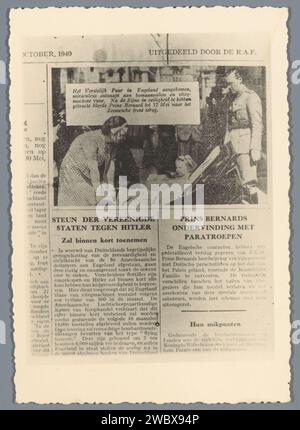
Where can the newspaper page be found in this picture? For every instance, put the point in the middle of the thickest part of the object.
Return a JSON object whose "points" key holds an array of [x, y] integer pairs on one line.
{"points": [[150, 209]]}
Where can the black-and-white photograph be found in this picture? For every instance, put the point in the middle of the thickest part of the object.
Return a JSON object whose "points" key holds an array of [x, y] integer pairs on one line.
{"points": [[226, 150]]}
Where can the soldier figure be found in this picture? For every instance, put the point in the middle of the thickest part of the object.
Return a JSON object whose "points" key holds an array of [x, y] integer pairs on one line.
{"points": [[245, 132]]}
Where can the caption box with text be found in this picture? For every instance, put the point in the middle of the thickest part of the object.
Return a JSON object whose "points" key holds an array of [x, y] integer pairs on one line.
{"points": [[140, 103]]}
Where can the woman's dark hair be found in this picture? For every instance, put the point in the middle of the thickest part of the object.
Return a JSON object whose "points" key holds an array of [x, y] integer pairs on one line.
{"points": [[112, 122]]}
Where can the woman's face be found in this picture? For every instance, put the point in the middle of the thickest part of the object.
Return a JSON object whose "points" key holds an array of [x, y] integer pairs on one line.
{"points": [[181, 168], [123, 131], [120, 135]]}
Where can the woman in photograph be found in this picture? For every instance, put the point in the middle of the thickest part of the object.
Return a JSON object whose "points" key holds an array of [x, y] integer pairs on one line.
{"points": [[89, 153]]}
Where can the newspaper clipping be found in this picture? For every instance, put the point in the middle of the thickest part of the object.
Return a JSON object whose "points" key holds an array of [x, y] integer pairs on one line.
{"points": [[150, 205]]}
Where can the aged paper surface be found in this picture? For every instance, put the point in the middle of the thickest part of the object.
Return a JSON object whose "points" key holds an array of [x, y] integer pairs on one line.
{"points": [[117, 307]]}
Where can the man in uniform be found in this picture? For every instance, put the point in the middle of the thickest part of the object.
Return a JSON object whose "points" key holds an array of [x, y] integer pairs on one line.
{"points": [[245, 132]]}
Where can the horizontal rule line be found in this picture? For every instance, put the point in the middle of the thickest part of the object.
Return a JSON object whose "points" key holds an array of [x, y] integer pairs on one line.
{"points": [[214, 310], [163, 62], [29, 103]]}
